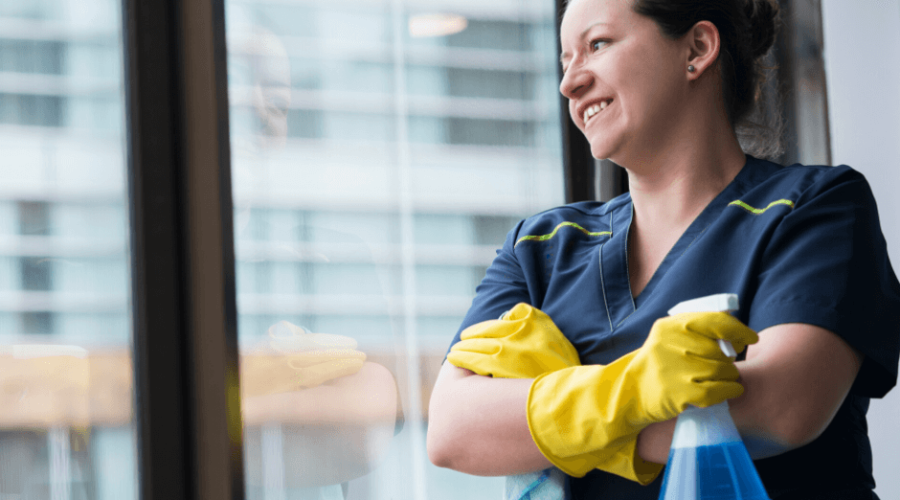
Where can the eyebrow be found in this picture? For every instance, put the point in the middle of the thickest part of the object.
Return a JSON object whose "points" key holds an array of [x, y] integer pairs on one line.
{"points": [[580, 37]]}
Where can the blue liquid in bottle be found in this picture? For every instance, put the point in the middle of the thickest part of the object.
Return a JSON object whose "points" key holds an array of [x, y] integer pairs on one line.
{"points": [[708, 460], [721, 473]]}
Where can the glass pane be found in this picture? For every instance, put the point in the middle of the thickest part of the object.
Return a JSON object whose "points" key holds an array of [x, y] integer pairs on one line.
{"points": [[66, 429], [377, 167]]}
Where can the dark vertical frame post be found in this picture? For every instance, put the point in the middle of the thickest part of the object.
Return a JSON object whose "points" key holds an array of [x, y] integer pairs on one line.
{"points": [[578, 164], [612, 180], [158, 267], [206, 189], [185, 334], [585, 177]]}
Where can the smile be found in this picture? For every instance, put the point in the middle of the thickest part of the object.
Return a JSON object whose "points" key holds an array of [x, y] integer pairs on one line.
{"points": [[596, 108]]}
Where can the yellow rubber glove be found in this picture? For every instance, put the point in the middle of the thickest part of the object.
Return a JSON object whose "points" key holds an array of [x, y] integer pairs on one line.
{"points": [[524, 344], [589, 416], [315, 358]]}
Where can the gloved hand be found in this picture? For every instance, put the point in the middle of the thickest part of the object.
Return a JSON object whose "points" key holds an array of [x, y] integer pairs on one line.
{"points": [[590, 416], [316, 357], [525, 343], [302, 360]]}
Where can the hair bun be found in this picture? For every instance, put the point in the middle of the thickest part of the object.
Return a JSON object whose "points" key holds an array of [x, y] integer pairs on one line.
{"points": [[762, 17]]}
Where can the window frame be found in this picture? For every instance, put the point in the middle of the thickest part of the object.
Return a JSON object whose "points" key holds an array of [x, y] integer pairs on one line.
{"points": [[184, 308]]}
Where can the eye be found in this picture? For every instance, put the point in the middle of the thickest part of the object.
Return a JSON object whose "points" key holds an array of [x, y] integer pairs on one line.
{"points": [[598, 44]]}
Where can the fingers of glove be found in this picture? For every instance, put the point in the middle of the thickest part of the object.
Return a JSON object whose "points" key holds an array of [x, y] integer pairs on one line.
{"points": [[303, 359], [720, 325], [514, 367], [687, 347], [286, 337], [692, 381], [286, 329], [699, 368], [490, 329], [533, 319], [540, 333], [669, 336], [690, 358], [314, 375], [520, 322], [479, 363], [701, 395], [712, 393], [691, 370], [511, 358], [521, 311], [693, 331], [532, 335], [478, 345]]}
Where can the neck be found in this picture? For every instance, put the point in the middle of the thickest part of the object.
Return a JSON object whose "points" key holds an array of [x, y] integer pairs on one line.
{"points": [[670, 189]]}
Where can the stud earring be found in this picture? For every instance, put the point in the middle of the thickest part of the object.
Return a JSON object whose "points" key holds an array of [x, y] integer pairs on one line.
{"points": [[691, 68]]}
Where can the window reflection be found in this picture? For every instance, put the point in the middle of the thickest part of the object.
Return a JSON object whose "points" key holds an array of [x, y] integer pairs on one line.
{"points": [[369, 219], [66, 386]]}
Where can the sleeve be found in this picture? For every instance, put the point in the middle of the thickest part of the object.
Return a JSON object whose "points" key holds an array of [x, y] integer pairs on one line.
{"points": [[504, 285], [826, 264]]}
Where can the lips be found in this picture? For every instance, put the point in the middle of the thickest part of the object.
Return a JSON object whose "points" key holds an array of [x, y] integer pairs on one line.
{"points": [[595, 109]]}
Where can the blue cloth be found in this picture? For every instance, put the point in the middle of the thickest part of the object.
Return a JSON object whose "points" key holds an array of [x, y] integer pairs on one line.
{"points": [[548, 484], [798, 244]]}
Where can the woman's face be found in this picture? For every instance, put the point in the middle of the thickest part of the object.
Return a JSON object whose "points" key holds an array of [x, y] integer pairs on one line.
{"points": [[624, 79]]}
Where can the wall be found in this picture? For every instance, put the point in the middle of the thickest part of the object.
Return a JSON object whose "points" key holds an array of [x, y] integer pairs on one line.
{"points": [[862, 49]]}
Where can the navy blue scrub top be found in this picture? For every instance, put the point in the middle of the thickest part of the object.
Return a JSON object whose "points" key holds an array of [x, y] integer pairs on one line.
{"points": [[798, 244]]}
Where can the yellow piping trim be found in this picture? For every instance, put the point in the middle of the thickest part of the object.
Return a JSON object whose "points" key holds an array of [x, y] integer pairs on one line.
{"points": [[758, 211], [545, 237]]}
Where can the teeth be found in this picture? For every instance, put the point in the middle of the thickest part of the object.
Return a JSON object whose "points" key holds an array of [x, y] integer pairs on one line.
{"points": [[593, 110]]}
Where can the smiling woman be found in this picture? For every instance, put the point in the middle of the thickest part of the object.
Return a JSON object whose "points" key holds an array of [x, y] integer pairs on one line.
{"points": [[665, 89]]}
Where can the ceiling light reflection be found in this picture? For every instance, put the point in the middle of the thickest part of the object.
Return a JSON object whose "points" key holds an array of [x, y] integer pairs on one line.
{"points": [[430, 25]]}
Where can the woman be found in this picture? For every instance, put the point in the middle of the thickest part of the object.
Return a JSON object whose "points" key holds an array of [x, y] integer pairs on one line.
{"points": [[660, 87]]}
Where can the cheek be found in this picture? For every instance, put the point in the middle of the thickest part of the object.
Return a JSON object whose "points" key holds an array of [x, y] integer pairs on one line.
{"points": [[648, 96]]}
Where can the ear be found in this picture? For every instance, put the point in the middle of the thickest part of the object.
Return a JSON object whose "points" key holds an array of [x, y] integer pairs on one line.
{"points": [[703, 45]]}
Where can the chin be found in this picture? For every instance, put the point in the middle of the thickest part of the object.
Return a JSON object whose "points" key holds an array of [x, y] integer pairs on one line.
{"points": [[601, 151], [604, 145]]}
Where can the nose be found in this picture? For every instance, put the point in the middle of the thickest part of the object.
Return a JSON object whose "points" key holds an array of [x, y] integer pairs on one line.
{"points": [[575, 81]]}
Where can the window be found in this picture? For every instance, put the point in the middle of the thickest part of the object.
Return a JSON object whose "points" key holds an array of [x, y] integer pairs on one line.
{"points": [[376, 173]]}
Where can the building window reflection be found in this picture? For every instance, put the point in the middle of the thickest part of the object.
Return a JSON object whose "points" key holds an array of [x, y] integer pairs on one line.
{"points": [[371, 216]]}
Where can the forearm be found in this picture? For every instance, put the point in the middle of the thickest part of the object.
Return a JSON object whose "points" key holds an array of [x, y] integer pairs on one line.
{"points": [[763, 430], [367, 398], [655, 441], [478, 425], [794, 379]]}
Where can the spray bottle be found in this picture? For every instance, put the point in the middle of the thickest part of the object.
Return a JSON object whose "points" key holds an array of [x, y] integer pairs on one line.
{"points": [[708, 459]]}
